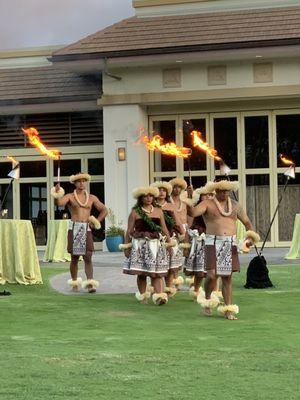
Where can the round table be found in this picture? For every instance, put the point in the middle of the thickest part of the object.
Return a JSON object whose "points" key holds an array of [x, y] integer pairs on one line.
{"points": [[294, 252], [57, 243], [19, 261]]}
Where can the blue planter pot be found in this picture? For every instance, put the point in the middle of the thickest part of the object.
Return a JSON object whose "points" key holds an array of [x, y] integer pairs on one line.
{"points": [[112, 243]]}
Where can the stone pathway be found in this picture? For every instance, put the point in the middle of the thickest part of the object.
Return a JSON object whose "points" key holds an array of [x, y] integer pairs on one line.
{"points": [[108, 271]]}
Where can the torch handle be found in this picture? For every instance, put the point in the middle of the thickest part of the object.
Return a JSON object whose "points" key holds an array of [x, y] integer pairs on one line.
{"points": [[190, 172], [58, 170], [2, 201], [272, 221]]}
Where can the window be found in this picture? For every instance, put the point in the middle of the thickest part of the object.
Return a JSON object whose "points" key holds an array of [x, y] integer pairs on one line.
{"points": [[198, 158], [225, 139], [167, 130], [257, 141], [288, 143], [56, 129]]}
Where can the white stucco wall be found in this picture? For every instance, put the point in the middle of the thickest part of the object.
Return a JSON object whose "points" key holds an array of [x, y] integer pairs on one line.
{"points": [[194, 76], [122, 125]]}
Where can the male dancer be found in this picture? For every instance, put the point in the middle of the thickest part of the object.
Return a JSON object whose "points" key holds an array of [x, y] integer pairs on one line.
{"points": [[80, 238], [221, 257]]}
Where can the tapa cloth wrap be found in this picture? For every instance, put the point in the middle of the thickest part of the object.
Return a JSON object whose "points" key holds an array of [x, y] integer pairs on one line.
{"points": [[221, 254], [80, 238], [176, 259], [195, 262], [148, 257]]}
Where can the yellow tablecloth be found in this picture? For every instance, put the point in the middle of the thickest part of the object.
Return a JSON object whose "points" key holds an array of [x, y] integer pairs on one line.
{"points": [[57, 243], [294, 252], [19, 261], [240, 231]]}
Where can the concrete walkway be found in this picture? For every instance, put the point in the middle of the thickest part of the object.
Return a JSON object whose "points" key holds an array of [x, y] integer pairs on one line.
{"points": [[108, 271]]}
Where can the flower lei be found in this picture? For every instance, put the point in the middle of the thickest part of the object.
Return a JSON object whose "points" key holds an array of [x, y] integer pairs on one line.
{"points": [[221, 210], [152, 225], [87, 196]]}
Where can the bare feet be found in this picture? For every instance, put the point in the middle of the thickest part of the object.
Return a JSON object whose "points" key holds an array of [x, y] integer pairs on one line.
{"points": [[91, 289], [207, 311], [229, 315], [75, 289], [162, 302]]}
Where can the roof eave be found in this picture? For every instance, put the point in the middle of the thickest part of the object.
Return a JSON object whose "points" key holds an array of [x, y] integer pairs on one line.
{"points": [[57, 58], [41, 100]]}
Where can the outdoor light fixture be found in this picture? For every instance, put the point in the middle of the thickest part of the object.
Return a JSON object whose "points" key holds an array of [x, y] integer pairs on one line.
{"points": [[121, 154]]}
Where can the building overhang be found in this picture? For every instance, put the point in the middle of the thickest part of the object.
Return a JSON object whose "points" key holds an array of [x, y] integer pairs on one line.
{"points": [[100, 62], [203, 96]]}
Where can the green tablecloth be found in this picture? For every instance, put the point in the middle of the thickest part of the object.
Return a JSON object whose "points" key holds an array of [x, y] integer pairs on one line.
{"points": [[56, 250], [19, 261], [294, 252]]}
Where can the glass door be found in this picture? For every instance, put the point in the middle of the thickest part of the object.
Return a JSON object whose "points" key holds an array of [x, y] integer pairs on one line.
{"points": [[198, 162], [33, 203], [287, 128], [257, 144], [165, 167]]}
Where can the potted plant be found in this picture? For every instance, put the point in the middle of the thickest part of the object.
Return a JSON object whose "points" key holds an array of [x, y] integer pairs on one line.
{"points": [[114, 235]]}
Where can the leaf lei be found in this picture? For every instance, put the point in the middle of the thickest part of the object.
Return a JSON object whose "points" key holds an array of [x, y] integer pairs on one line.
{"points": [[169, 220], [152, 225]]}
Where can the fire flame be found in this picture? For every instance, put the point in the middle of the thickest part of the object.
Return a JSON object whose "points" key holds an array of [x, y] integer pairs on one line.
{"points": [[285, 160], [14, 162], [34, 140], [198, 142], [169, 149]]}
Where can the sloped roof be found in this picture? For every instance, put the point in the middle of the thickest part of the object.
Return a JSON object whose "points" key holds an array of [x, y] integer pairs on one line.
{"points": [[45, 84], [154, 35]]}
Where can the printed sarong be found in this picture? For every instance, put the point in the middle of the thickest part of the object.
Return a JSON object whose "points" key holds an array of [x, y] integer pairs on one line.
{"points": [[195, 262], [147, 257], [176, 258], [80, 239], [221, 254]]}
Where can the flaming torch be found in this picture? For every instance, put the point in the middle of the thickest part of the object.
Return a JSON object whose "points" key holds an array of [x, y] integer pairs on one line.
{"points": [[200, 144], [34, 139], [169, 149], [289, 174]]}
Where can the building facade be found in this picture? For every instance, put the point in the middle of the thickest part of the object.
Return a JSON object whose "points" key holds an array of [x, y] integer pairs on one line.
{"points": [[228, 68], [63, 107]]}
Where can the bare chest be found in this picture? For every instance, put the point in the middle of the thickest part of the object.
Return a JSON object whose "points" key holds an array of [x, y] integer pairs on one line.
{"points": [[82, 202], [214, 214]]}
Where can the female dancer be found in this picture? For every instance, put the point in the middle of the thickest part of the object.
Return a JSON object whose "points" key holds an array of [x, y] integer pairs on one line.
{"points": [[176, 233], [147, 243]]}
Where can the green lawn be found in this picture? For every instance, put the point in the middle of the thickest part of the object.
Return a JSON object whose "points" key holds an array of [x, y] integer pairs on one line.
{"points": [[110, 347]]}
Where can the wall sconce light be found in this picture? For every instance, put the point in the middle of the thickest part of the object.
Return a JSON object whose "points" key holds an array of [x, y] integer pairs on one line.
{"points": [[121, 154]]}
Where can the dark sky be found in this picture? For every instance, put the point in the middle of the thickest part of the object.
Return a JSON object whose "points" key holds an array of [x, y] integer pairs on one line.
{"points": [[32, 23]]}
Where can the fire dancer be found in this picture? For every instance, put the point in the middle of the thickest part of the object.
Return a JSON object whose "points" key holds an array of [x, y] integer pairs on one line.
{"points": [[178, 186], [145, 247], [80, 238], [175, 229], [221, 257], [194, 248]]}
